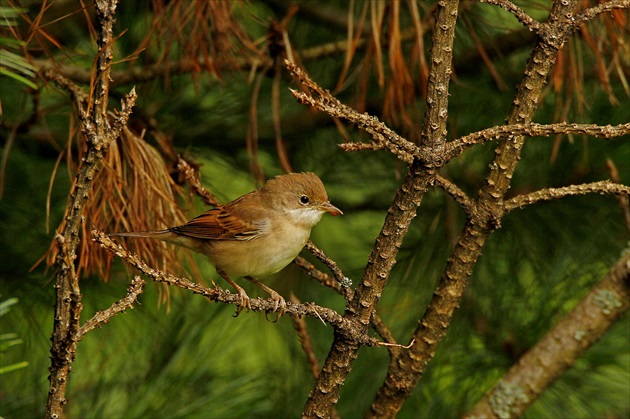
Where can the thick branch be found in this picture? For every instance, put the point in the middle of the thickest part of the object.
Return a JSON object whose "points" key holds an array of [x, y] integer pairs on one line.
{"points": [[403, 209], [406, 369], [95, 127], [558, 350], [603, 188]]}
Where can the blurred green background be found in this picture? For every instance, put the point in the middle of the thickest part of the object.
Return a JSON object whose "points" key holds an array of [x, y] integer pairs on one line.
{"points": [[193, 359]]}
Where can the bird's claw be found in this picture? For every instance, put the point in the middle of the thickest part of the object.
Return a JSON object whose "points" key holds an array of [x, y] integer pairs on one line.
{"points": [[279, 306], [245, 302]]}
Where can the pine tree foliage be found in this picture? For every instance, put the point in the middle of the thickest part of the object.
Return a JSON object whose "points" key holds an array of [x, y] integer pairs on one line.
{"points": [[216, 114]]}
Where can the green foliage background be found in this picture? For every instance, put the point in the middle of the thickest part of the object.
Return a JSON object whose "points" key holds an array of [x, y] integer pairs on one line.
{"points": [[193, 359]]}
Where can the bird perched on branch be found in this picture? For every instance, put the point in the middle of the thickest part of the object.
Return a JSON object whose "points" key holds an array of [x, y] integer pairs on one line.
{"points": [[257, 234]]}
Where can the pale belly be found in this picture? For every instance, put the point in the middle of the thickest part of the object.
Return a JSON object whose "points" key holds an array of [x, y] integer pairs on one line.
{"points": [[258, 257]]}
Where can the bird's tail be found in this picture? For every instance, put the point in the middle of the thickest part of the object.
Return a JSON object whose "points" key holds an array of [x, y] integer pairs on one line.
{"points": [[153, 234], [164, 235]]}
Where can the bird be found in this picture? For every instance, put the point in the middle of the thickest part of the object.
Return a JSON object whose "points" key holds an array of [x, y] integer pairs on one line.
{"points": [[257, 234]]}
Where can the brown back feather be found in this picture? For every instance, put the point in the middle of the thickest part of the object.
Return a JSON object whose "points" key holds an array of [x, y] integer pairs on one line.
{"points": [[238, 220]]}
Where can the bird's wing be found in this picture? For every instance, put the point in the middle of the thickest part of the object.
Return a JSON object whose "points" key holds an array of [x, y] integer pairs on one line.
{"points": [[221, 224]]}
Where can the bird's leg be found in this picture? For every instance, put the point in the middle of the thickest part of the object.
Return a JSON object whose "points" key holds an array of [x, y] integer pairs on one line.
{"points": [[245, 301], [277, 298]]}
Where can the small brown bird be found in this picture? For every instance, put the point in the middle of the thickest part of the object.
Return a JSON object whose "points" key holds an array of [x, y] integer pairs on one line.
{"points": [[257, 234]]}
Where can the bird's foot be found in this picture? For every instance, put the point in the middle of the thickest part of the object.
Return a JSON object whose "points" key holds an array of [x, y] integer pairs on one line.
{"points": [[245, 302], [279, 305]]}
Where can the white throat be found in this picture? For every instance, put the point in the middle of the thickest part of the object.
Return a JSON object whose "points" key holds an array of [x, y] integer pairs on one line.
{"points": [[305, 216]]}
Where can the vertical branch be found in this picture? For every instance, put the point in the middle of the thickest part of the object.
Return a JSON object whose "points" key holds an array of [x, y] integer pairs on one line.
{"points": [[403, 209], [95, 127], [406, 369]]}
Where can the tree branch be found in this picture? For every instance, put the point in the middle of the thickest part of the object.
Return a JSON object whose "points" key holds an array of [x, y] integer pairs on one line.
{"points": [[406, 369], [216, 294], [608, 6], [321, 277], [559, 349], [135, 289], [342, 287], [343, 280], [95, 126], [464, 201], [602, 188], [403, 209], [380, 133], [623, 200], [528, 21], [192, 179], [76, 92], [455, 147]]}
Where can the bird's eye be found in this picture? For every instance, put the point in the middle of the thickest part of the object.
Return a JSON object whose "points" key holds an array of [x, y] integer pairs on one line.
{"points": [[304, 199]]}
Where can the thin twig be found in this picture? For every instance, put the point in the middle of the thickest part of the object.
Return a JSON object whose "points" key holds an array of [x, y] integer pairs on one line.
{"points": [[321, 277], [76, 92], [377, 323], [331, 264], [458, 195], [101, 317], [528, 21], [326, 102], [535, 130], [191, 178], [608, 6], [305, 340], [602, 188], [352, 146], [623, 200]]}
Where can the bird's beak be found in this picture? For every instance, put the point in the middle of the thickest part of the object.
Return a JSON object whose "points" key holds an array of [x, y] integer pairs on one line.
{"points": [[328, 207]]}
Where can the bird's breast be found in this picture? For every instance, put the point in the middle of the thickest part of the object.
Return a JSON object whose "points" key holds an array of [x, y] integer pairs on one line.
{"points": [[266, 254]]}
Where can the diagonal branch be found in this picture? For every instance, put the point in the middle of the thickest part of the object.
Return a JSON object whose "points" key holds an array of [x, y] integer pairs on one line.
{"points": [[382, 135], [135, 289], [558, 350], [76, 92], [342, 286], [191, 177], [464, 201], [321, 277], [406, 369], [403, 209], [528, 21], [216, 294], [343, 280]]}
